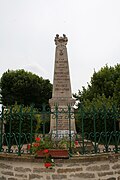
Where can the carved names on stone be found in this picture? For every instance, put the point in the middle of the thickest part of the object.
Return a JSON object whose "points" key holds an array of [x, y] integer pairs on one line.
{"points": [[61, 85], [61, 94]]}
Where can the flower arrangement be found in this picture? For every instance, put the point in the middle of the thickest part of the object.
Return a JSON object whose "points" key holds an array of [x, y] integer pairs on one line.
{"points": [[47, 143], [44, 145], [49, 149]]}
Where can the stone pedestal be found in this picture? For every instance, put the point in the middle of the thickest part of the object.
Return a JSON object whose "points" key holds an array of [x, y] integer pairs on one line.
{"points": [[61, 94]]}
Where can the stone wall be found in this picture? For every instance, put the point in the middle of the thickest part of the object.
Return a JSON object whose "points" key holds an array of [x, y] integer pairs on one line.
{"points": [[97, 167]]}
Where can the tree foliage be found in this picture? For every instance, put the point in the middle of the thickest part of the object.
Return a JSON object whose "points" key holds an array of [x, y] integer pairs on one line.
{"points": [[99, 112], [25, 121], [104, 82], [24, 88], [100, 98]]}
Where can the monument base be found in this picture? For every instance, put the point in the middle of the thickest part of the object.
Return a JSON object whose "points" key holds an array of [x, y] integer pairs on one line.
{"points": [[59, 134]]}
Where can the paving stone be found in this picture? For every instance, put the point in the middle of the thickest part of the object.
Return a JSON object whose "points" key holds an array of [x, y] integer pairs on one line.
{"points": [[83, 175], [21, 169], [35, 176], [56, 177], [7, 173], [68, 170], [2, 178], [116, 166], [5, 166], [105, 173], [98, 168]]}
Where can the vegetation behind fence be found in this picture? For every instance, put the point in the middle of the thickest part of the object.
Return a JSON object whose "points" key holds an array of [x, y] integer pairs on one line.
{"points": [[97, 129]]}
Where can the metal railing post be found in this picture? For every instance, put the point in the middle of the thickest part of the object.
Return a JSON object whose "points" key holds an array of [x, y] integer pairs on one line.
{"points": [[94, 124], [43, 118], [20, 130], [31, 128], [115, 131], [69, 117], [105, 123], [83, 134], [10, 130]]}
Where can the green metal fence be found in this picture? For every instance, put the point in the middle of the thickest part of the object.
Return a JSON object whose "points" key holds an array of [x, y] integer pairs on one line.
{"points": [[97, 129]]}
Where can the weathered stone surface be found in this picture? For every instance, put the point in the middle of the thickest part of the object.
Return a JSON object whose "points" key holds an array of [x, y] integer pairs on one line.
{"points": [[83, 175], [117, 172], [73, 164], [118, 178], [105, 173], [21, 175], [113, 159], [48, 177], [39, 170], [61, 93], [21, 169], [56, 176], [59, 165], [116, 166], [5, 166], [98, 168], [2, 178], [7, 173], [35, 176], [69, 169], [61, 83], [87, 163], [66, 170]]}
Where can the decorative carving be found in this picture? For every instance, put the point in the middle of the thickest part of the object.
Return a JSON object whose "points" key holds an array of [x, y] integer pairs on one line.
{"points": [[61, 40], [61, 52]]}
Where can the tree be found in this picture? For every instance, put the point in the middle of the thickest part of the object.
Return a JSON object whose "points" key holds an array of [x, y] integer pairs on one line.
{"points": [[106, 81], [24, 88], [100, 101], [100, 110]]}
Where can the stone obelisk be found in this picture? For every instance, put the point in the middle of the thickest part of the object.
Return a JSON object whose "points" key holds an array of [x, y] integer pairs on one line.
{"points": [[61, 94]]}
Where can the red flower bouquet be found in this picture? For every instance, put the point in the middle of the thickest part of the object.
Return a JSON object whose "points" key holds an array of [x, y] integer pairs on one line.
{"points": [[43, 145]]}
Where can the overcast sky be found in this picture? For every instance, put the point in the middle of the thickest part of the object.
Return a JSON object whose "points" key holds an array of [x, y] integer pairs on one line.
{"points": [[28, 28]]}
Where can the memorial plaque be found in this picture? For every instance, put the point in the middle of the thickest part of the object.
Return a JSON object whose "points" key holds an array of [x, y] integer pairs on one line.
{"points": [[61, 94]]}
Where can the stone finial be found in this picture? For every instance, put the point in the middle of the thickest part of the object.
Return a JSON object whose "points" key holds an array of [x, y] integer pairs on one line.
{"points": [[61, 40]]}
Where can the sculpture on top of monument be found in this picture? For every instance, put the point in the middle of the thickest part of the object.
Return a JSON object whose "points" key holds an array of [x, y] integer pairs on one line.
{"points": [[59, 40], [61, 93]]}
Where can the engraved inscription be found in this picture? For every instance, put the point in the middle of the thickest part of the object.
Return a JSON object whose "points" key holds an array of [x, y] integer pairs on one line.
{"points": [[59, 85], [61, 88]]}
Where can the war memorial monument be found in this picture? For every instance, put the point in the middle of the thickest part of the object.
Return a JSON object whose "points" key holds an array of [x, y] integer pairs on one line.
{"points": [[61, 93]]}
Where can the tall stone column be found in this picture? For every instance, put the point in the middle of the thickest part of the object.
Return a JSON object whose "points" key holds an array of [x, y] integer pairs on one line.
{"points": [[61, 94]]}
